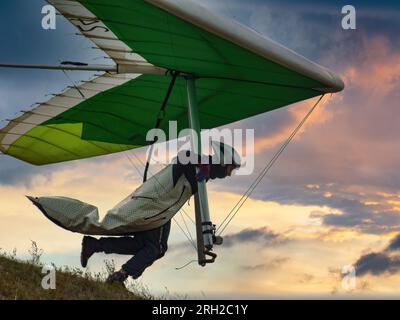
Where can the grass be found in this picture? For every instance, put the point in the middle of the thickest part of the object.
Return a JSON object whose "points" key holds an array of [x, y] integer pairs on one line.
{"points": [[22, 280]]}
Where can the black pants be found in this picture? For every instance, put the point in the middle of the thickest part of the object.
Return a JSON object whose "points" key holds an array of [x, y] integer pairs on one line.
{"points": [[146, 246]]}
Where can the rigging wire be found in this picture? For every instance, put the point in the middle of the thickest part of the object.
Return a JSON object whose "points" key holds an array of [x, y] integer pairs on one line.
{"points": [[262, 174], [183, 231], [70, 79], [73, 83], [187, 229], [185, 265], [160, 117]]}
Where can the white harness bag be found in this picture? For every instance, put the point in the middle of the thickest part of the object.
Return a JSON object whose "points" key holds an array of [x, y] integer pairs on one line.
{"points": [[150, 206]]}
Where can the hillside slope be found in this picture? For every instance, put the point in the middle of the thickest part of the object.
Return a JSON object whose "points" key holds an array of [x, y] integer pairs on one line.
{"points": [[22, 280]]}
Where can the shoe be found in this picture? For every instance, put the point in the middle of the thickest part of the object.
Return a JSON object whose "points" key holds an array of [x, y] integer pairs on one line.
{"points": [[88, 249], [118, 277]]}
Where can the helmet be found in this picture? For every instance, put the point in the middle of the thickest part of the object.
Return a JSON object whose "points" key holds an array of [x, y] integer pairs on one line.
{"points": [[225, 154]]}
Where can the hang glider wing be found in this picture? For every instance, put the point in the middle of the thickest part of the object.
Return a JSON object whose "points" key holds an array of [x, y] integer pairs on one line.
{"points": [[239, 74], [53, 131]]}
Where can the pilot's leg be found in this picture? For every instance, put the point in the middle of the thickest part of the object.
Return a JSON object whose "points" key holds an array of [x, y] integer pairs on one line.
{"points": [[123, 245], [155, 247]]}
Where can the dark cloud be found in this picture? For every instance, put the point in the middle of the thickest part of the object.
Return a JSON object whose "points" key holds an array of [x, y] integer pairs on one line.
{"points": [[394, 244], [378, 263], [262, 236], [313, 28]]}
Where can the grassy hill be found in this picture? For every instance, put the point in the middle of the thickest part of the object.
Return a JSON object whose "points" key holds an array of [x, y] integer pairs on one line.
{"points": [[22, 280]]}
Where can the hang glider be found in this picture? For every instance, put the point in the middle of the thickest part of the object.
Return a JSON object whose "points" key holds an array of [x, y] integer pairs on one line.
{"points": [[174, 60], [239, 74]]}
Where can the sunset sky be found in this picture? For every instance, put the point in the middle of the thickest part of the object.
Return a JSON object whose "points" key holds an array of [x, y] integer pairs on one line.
{"points": [[332, 199]]}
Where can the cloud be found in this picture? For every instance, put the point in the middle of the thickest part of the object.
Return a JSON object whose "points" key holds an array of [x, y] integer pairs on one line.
{"points": [[14, 172], [312, 28], [394, 244], [379, 263], [262, 236], [268, 266], [306, 278]]}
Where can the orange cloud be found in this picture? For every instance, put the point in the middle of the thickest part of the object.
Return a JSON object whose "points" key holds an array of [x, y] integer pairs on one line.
{"points": [[375, 75], [298, 111], [378, 72]]}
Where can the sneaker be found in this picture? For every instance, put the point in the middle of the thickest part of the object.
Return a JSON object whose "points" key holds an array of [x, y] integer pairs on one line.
{"points": [[119, 277], [88, 249]]}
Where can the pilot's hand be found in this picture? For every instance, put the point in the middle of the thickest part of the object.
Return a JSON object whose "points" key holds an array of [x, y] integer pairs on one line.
{"points": [[203, 173]]}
